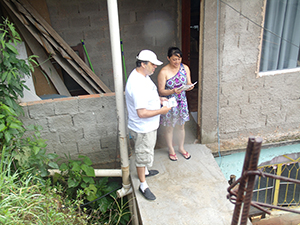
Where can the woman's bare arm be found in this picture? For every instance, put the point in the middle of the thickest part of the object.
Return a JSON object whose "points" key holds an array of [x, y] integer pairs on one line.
{"points": [[161, 79]]}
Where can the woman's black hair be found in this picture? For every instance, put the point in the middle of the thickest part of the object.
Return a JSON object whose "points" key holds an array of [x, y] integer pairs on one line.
{"points": [[174, 51]]}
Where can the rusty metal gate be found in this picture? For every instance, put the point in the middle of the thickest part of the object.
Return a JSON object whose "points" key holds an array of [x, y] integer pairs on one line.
{"points": [[274, 187]]}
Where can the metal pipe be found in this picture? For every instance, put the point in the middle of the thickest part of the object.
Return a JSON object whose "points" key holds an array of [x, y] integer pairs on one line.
{"points": [[113, 19], [98, 172]]}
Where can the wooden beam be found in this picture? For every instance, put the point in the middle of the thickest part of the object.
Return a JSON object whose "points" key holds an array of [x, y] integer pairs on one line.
{"points": [[63, 54], [72, 71], [43, 59], [30, 28], [72, 63], [60, 60], [42, 8], [63, 44]]}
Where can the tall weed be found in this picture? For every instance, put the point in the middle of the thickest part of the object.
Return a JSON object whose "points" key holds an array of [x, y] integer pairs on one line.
{"points": [[27, 199]]}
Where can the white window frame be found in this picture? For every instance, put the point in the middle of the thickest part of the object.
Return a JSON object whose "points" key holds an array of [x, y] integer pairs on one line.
{"points": [[273, 72]]}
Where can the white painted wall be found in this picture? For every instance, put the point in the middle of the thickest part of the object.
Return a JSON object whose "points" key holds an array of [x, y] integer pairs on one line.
{"points": [[29, 95]]}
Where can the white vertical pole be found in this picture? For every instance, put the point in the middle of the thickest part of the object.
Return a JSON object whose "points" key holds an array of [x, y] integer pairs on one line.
{"points": [[113, 18]]}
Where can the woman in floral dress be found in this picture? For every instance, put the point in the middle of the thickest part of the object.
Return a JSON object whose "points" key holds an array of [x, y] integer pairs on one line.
{"points": [[170, 78]]}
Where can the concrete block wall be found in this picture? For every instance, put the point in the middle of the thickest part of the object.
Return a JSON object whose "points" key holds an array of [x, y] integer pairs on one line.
{"points": [[248, 105], [143, 25], [88, 124], [84, 125]]}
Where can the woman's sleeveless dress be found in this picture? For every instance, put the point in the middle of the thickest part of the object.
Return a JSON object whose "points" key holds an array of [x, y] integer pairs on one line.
{"points": [[179, 114]]}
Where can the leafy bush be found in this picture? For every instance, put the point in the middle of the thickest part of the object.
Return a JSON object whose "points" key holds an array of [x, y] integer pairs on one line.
{"points": [[12, 69], [117, 213], [27, 196], [31, 152], [26, 152], [10, 132], [79, 175]]}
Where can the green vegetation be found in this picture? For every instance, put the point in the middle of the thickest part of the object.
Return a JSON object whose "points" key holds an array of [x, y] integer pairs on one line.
{"points": [[27, 199], [28, 194], [12, 69]]}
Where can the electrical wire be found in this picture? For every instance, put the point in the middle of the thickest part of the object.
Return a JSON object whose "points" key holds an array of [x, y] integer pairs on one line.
{"points": [[258, 24], [217, 40], [218, 77]]}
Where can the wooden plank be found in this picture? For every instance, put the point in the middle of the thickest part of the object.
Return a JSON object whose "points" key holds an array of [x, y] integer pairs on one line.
{"points": [[43, 59], [82, 73], [73, 73], [30, 28], [61, 51], [63, 44], [62, 62], [66, 56], [42, 8]]}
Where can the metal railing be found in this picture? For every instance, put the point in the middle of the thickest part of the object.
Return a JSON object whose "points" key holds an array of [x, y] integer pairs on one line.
{"points": [[277, 192], [269, 187]]}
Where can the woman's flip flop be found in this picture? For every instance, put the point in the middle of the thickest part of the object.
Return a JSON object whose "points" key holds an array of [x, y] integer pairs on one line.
{"points": [[186, 155], [174, 157]]}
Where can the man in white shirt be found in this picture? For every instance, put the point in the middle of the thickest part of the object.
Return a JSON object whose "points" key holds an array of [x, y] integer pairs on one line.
{"points": [[144, 109]]}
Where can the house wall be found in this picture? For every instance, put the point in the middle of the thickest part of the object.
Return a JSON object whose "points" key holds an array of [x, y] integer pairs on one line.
{"points": [[143, 25], [84, 125], [88, 124], [248, 105]]}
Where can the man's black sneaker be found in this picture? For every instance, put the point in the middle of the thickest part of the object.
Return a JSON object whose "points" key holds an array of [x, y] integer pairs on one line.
{"points": [[152, 173], [147, 194]]}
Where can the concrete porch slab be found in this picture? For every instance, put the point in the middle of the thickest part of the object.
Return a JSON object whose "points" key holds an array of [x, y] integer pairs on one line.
{"points": [[187, 191]]}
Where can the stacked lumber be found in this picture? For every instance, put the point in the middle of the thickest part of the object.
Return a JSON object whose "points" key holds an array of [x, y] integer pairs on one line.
{"points": [[46, 43]]}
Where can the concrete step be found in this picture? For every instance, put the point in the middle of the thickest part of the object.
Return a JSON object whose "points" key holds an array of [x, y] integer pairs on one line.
{"points": [[187, 191]]}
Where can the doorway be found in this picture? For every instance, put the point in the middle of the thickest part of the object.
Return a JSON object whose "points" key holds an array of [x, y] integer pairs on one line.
{"points": [[190, 50], [190, 46]]}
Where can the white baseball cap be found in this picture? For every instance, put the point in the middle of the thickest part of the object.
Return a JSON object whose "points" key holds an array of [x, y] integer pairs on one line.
{"points": [[147, 55]]}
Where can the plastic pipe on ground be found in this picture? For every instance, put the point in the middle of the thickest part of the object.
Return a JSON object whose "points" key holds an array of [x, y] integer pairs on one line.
{"points": [[98, 172]]}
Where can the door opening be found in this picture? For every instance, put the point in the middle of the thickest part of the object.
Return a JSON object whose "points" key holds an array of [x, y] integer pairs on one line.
{"points": [[190, 46]]}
